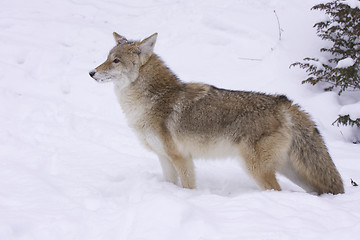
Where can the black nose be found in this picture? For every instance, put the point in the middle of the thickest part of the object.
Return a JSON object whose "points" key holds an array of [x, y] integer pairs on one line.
{"points": [[92, 73]]}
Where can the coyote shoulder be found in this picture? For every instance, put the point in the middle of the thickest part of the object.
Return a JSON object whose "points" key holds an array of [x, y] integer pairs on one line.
{"points": [[180, 121]]}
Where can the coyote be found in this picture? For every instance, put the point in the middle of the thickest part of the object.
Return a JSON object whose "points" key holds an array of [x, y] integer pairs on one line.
{"points": [[180, 121]]}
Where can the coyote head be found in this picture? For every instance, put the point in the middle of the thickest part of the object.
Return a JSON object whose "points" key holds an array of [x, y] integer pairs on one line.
{"points": [[124, 60]]}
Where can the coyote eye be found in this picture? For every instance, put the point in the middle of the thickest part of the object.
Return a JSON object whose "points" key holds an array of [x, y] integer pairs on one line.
{"points": [[116, 60]]}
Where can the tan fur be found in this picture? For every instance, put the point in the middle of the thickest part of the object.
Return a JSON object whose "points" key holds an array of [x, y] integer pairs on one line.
{"points": [[181, 121]]}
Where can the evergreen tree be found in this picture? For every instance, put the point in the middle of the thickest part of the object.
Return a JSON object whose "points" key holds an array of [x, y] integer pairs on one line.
{"points": [[341, 69]]}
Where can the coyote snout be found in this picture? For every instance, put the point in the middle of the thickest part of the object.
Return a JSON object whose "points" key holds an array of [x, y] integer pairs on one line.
{"points": [[98, 78], [180, 121], [92, 73], [104, 73]]}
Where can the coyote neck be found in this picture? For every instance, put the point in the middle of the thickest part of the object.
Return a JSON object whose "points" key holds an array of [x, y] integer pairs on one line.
{"points": [[156, 87], [155, 77]]}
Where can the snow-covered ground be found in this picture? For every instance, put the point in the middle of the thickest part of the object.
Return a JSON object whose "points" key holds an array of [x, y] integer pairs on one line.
{"points": [[70, 168]]}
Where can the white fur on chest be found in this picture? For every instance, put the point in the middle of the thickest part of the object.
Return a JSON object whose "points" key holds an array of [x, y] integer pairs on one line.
{"points": [[133, 106], [136, 111]]}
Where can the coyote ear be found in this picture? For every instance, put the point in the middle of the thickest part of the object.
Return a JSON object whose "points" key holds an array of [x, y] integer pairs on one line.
{"points": [[119, 39], [146, 48]]}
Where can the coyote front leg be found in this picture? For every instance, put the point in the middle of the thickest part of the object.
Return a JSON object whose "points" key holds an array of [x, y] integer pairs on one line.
{"points": [[168, 169], [185, 169], [183, 165]]}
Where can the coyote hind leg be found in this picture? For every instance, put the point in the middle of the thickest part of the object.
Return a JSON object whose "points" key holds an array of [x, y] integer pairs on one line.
{"points": [[267, 180], [263, 175], [263, 159]]}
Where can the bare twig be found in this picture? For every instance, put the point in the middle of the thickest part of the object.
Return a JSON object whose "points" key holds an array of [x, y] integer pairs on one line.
{"points": [[278, 21], [272, 49], [250, 59]]}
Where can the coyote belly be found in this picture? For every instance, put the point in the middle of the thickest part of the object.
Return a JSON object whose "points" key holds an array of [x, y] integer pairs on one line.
{"points": [[180, 121]]}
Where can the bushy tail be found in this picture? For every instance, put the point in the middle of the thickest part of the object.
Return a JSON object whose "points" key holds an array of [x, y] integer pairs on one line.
{"points": [[309, 155]]}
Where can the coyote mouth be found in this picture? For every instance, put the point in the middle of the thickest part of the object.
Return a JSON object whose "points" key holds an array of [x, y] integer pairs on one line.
{"points": [[103, 80], [100, 80]]}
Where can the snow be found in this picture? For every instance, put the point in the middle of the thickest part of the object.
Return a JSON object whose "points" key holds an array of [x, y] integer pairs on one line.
{"points": [[345, 63], [352, 109], [70, 167], [352, 3]]}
